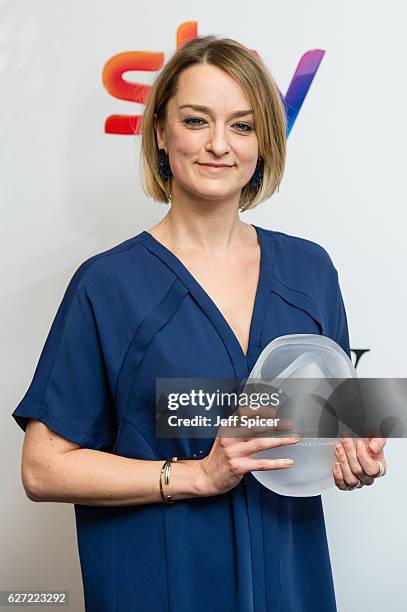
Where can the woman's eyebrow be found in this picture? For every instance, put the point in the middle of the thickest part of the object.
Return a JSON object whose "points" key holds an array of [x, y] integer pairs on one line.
{"points": [[206, 109]]}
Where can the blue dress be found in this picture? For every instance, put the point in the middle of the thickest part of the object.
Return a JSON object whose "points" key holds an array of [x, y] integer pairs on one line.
{"points": [[134, 313]]}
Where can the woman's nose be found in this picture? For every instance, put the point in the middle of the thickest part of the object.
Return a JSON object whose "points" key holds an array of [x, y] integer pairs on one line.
{"points": [[218, 141]]}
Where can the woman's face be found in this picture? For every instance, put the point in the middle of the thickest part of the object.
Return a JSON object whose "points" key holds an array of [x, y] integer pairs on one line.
{"points": [[223, 133]]}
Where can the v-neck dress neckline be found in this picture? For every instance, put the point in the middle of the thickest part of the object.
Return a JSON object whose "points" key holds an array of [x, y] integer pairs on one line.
{"points": [[242, 362]]}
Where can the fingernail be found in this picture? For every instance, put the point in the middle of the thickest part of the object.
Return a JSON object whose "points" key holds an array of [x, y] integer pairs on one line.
{"points": [[359, 444], [375, 446]]}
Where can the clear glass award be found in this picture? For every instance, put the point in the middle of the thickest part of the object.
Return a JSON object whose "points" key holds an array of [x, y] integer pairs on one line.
{"points": [[306, 370]]}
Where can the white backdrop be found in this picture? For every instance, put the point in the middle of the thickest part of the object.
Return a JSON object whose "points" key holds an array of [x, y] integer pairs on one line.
{"points": [[69, 190]]}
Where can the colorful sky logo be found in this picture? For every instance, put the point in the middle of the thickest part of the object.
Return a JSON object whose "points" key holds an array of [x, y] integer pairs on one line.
{"points": [[153, 61]]}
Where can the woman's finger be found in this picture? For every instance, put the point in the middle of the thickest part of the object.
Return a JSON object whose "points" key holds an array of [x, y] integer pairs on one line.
{"points": [[242, 465], [376, 444], [366, 470], [369, 464], [254, 445], [351, 468], [338, 477]]}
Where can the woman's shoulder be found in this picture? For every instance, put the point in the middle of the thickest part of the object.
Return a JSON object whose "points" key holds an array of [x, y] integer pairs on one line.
{"points": [[298, 249], [114, 263], [125, 278], [300, 263]]}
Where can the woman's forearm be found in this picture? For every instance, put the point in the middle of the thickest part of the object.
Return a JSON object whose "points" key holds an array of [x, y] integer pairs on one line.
{"points": [[97, 478]]}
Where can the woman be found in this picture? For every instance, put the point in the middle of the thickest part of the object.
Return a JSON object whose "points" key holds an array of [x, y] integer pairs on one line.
{"points": [[200, 294]]}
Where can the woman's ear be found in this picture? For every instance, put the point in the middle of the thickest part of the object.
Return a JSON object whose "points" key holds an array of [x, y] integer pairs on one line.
{"points": [[159, 133]]}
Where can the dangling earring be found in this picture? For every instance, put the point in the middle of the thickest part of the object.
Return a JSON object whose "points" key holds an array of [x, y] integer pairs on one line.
{"points": [[257, 177], [164, 168]]}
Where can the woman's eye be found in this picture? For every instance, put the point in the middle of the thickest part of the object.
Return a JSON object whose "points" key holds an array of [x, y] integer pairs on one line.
{"points": [[189, 120], [245, 125]]}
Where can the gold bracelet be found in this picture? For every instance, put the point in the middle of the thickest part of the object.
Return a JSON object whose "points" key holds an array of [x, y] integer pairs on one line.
{"points": [[168, 499]]}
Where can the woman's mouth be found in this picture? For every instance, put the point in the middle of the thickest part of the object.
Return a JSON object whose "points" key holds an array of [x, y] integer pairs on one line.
{"points": [[215, 167]]}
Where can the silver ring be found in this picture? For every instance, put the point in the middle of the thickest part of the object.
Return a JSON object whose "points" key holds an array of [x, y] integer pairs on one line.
{"points": [[359, 485], [382, 470]]}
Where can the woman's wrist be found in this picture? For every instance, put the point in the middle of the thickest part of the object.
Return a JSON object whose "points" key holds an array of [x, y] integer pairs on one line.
{"points": [[186, 480]]}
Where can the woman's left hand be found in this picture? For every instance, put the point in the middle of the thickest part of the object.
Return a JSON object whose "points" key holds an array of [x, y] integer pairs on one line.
{"points": [[358, 461]]}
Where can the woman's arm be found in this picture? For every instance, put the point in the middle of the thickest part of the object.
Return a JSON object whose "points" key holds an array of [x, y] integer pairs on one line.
{"points": [[53, 469]]}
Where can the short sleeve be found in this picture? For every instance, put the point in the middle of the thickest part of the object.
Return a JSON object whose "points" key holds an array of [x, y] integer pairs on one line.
{"points": [[69, 391]]}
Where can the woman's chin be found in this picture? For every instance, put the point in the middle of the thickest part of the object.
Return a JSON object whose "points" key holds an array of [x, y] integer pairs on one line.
{"points": [[212, 191]]}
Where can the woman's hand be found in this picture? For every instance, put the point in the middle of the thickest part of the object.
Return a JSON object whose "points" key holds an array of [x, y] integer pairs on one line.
{"points": [[230, 457], [358, 461]]}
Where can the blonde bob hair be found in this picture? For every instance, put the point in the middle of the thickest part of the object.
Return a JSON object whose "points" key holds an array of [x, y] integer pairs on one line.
{"points": [[262, 92]]}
